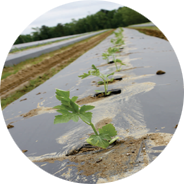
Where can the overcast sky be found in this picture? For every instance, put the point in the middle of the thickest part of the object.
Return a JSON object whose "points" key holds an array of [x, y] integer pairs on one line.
{"points": [[63, 14]]}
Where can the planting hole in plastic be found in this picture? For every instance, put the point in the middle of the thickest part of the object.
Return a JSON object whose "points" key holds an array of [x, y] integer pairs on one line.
{"points": [[113, 92]]}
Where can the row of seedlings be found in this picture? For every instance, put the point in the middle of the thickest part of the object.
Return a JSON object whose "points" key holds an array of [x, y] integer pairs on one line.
{"points": [[70, 110]]}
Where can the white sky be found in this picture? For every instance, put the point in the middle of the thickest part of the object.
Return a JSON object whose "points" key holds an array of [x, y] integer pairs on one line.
{"points": [[63, 14]]}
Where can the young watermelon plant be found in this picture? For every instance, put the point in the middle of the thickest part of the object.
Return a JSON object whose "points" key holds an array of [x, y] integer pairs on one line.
{"points": [[106, 56], [96, 72], [118, 61], [70, 110], [118, 43], [110, 52]]}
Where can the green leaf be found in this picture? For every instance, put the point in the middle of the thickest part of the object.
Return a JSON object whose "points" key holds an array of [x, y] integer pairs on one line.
{"points": [[84, 75], [74, 98], [100, 82], [86, 116], [62, 118], [96, 71], [94, 67], [110, 74], [85, 108], [63, 111], [119, 61], [108, 93], [70, 110], [111, 51], [74, 106], [57, 107], [97, 140], [64, 94], [108, 129], [105, 55], [67, 108], [75, 118], [62, 107], [98, 91], [59, 98], [64, 101], [105, 137]]}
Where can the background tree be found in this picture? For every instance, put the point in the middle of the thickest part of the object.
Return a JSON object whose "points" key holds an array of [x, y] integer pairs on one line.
{"points": [[103, 19]]}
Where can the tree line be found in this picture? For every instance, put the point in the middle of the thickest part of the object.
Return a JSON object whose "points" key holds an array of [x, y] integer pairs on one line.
{"points": [[103, 19]]}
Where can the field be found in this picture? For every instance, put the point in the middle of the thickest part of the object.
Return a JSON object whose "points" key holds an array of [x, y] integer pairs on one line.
{"points": [[25, 76]]}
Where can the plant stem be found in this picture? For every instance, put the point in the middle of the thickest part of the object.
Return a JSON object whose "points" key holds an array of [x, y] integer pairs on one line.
{"points": [[91, 124], [94, 129], [113, 140], [86, 122], [105, 87], [115, 62]]}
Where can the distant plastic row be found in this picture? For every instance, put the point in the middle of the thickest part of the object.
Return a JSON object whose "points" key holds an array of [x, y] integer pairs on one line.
{"points": [[15, 58], [41, 42]]}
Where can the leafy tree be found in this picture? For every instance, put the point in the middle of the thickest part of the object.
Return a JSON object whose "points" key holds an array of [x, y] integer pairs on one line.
{"points": [[103, 19]]}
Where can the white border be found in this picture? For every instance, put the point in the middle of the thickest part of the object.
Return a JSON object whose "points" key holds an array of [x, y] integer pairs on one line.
{"points": [[16, 15]]}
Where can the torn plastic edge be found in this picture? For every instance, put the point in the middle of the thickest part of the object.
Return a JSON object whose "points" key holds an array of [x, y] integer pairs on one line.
{"points": [[85, 145]]}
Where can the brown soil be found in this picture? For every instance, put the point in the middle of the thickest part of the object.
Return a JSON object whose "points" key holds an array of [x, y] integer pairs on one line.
{"points": [[160, 72], [117, 160], [88, 99], [152, 32], [37, 111], [31, 72], [24, 151], [9, 126], [176, 126], [123, 157], [103, 122], [23, 99], [130, 68], [103, 65]]}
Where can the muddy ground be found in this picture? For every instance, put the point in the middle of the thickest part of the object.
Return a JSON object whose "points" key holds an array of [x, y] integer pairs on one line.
{"points": [[16, 81], [122, 159]]}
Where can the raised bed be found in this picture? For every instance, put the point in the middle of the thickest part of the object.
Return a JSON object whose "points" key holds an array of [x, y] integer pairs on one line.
{"points": [[143, 114]]}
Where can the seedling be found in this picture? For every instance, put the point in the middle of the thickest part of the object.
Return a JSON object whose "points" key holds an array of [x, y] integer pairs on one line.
{"points": [[118, 35], [118, 43], [70, 110], [96, 72], [112, 51], [118, 61], [106, 56]]}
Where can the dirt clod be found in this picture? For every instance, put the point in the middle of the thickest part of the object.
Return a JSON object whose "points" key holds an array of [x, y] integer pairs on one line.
{"points": [[176, 126], [100, 159], [9, 126], [160, 72], [23, 99], [24, 151]]}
